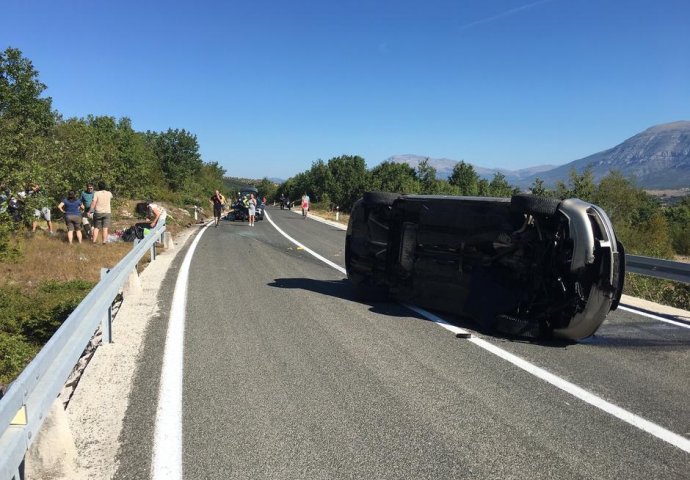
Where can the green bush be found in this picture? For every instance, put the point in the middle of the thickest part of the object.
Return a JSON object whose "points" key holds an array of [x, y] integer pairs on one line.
{"points": [[29, 318], [15, 354], [660, 291]]}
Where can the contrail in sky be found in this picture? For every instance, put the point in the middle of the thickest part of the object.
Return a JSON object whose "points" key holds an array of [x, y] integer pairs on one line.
{"points": [[507, 13]]}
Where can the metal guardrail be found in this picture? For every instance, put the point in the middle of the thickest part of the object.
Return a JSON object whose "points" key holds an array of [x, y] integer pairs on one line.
{"points": [[657, 268], [30, 397]]}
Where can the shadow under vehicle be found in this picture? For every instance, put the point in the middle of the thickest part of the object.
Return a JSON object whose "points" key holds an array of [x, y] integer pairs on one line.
{"points": [[527, 266]]}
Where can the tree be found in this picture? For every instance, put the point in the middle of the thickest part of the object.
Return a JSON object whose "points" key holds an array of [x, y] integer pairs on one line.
{"points": [[394, 177], [538, 188], [499, 186], [267, 189], [465, 178], [350, 179], [483, 187], [636, 216], [26, 121], [678, 218], [178, 154], [582, 186], [20, 93], [320, 180], [579, 185], [427, 177]]}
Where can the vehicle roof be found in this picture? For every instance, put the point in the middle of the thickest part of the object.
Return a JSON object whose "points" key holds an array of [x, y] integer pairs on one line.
{"points": [[249, 189]]}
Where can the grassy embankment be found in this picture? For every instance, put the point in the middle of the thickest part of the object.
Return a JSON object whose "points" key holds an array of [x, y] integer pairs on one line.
{"points": [[41, 286]]}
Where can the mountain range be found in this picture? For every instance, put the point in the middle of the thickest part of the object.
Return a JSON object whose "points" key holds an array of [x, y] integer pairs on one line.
{"points": [[658, 158]]}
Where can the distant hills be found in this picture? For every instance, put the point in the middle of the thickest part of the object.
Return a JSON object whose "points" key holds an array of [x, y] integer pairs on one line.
{"points": [[658, 158]]}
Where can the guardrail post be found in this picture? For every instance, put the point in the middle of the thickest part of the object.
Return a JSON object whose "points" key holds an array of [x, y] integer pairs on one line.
{"points": [[133, 285], [107, 321], [52, 453]]}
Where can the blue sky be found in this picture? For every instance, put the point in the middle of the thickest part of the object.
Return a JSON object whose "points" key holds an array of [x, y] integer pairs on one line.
{"points": [[270, 86]]}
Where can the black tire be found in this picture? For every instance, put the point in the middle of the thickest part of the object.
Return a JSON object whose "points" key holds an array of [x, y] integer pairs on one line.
{"points": [[534, 204]]}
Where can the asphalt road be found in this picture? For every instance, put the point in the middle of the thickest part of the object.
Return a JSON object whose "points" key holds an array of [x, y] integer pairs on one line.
{"points": [[288, 375]]}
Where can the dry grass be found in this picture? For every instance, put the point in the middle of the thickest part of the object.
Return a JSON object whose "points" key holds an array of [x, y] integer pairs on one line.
{"points": [[52, 258], [45, 257], [329, 214]]}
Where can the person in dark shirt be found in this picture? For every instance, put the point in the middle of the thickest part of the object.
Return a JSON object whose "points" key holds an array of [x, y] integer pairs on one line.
{"points": [[217, 199], [86, 199], [72, 208]]}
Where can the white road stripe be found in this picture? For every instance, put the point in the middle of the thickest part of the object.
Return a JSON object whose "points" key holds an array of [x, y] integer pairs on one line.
{"points": [[167, 439], [578, 392], [306, 249], [655, 317], [459, 332], [588, 397]]}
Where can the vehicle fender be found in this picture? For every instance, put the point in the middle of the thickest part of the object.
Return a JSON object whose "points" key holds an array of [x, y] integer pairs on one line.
{"points": [[581, 233], [586, 322]]}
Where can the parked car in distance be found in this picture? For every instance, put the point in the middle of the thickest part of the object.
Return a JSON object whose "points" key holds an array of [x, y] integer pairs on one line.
{"points": [[526, 266], [239, 208]]}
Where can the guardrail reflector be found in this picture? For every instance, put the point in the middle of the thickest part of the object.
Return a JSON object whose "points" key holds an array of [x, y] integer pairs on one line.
{"points": [[20, 417]]}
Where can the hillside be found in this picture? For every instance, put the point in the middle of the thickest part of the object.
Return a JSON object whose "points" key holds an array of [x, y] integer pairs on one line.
{"points": [[658, 158], [444, 168]]}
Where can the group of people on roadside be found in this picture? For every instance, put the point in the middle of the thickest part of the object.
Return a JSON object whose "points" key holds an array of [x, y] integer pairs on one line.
{"points": [[90, 206], [90, 211]]}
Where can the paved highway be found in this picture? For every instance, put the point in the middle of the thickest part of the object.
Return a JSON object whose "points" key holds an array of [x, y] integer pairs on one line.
{"points": [[288, 375]]}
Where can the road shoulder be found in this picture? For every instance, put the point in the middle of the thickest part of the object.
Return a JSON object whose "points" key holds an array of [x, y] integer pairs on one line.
{"points": [[97, 408]]}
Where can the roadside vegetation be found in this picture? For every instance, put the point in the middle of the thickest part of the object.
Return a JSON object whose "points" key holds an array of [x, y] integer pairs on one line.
{"points": [[44, 278]]}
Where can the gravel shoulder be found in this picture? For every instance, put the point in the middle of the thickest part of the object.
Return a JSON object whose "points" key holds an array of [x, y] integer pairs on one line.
{"points": [[97, 408]]}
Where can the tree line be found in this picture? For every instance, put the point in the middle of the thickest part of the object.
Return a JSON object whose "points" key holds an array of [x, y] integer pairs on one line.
{"points": [[645, 226], [39, 146]]}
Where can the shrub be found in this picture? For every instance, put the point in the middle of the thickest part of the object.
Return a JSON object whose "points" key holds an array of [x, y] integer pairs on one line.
{"points": [[16, 353]]}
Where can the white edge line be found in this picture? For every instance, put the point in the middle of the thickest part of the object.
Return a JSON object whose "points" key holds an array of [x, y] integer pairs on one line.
{"points": [[578, 392], [306, 249], [439, 321], [167, 439], [588, 397], [655, 317]]}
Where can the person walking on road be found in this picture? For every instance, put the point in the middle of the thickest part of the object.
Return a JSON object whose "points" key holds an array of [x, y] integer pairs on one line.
{"points": [[252, 209], [217, 200], [305, 205]]}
